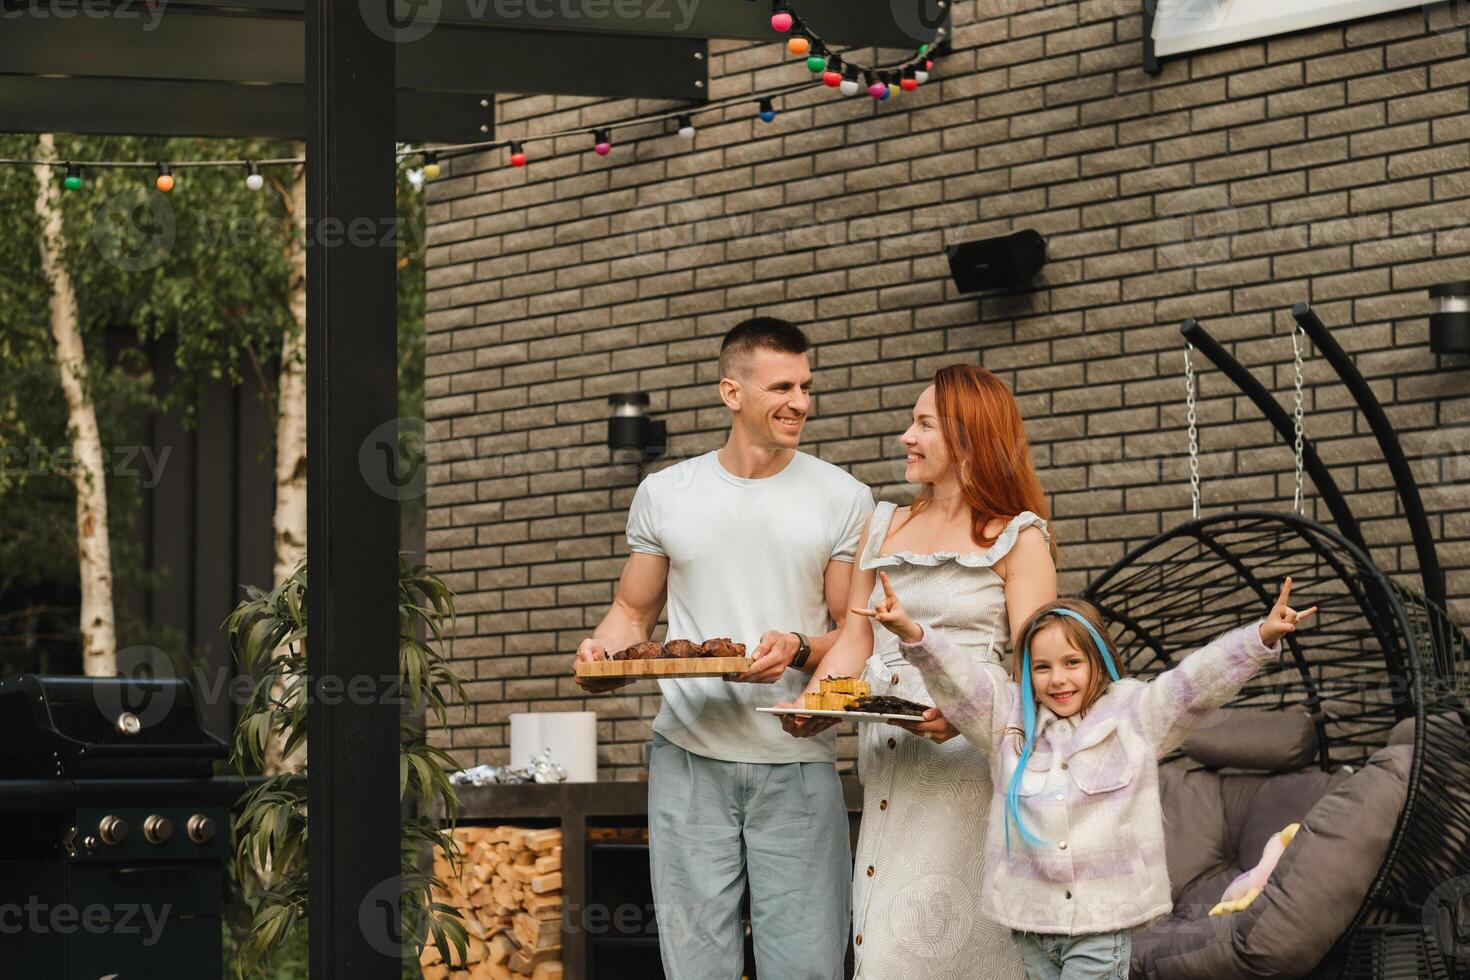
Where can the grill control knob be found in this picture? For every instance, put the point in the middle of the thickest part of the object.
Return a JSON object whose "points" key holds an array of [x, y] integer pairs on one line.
{"points": [[158, 828], [112, 829], [201, 828]]}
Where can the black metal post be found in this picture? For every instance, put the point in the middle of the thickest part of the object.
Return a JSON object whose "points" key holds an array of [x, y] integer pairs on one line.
{"points": [[352, 528], [1388, 444], [1326, 486]]}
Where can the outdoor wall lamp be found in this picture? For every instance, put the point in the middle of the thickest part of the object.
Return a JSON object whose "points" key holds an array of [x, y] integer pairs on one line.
{"points": [[1449, 324], [631, 428], [997, 263]]}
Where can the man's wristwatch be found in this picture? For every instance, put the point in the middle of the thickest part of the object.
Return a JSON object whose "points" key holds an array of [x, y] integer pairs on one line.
{"points": [[802, 652]]}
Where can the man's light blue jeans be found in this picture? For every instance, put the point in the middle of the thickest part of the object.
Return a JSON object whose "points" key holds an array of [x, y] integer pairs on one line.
{"points": [[713, 826]]}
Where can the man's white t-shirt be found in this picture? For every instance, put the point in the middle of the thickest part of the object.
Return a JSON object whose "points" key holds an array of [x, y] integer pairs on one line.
{"points": [[745, 556]]}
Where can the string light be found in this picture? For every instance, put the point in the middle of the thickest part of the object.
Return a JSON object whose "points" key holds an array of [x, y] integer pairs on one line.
{"points": [[837, 72], [781, 19], [833, 69], [832, 77], [686, 127]]}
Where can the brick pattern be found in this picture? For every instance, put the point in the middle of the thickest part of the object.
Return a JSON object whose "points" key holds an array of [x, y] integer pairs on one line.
{"points": [[1331, 166]]}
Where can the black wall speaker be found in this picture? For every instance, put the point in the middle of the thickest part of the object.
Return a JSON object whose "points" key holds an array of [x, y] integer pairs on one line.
{"points": [[997, 263]]}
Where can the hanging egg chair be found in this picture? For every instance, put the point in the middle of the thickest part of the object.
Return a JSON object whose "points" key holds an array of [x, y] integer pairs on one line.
{"points": [[1358, 733]]}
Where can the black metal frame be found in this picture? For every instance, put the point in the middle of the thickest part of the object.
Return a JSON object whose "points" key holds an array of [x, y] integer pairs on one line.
{"points": [[352, 529], [1388, 443]]}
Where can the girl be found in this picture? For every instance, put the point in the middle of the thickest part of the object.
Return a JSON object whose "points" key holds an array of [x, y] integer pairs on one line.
{"points": [[1076, 845]]}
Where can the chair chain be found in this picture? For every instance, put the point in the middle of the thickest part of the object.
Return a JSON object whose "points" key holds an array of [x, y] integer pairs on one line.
{"points": [[1297, 338], [1193, 430]]}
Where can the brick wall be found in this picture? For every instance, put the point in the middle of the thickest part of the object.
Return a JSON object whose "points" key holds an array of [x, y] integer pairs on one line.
{"points": [[1331, 166]]}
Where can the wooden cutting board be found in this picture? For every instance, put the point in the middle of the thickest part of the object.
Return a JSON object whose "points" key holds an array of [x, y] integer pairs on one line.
{"points": [[665, 667]]}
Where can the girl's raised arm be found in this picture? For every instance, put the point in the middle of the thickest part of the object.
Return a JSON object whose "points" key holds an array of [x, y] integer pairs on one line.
{"points": [[1173, 705], [976, 698]]}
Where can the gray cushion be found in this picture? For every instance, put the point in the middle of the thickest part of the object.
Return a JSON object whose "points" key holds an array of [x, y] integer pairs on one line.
{"points": [[1215, 826], [1314, 893], [1250, 738]]}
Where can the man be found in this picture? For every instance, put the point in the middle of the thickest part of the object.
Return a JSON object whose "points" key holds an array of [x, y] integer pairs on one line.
{"points": [[754, 541]]}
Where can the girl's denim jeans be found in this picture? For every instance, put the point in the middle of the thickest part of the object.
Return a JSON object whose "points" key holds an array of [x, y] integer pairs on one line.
{"points": [[1098, 956]]}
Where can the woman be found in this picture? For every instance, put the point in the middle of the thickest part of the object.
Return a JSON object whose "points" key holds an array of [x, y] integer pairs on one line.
{"points": [[973, 557]]}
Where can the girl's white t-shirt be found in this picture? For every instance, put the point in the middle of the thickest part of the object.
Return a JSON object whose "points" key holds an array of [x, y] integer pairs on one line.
{"points": [[745, 556]]}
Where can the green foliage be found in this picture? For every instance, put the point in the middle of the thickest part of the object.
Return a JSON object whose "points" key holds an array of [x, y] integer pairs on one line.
{"points": [[268, 633], [198, 279]]}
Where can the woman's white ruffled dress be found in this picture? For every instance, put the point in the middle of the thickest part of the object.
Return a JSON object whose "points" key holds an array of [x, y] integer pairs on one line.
{"points": [[916, 885]]}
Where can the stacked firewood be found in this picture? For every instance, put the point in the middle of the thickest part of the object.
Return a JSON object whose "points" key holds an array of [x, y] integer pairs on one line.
{"points": [[507, 886]]}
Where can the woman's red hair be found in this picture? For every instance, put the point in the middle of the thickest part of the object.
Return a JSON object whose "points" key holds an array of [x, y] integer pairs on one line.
{"points": [[982, 427]]}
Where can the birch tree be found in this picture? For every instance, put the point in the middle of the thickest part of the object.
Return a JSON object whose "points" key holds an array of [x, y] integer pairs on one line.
{"points": [[88, 473]]}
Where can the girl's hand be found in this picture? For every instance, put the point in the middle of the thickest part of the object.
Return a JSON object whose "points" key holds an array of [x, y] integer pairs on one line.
{"points": [[934, 726], [1282, 619], [891, 615]]}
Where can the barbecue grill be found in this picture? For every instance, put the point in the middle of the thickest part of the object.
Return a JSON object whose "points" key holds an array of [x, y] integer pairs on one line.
{"points": [[113, 835]]}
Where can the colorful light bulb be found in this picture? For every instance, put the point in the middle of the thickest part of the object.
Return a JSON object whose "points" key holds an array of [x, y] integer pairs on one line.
{"points": [[604, 143], [815, 63], [432, 170], [875, 87], [767, 111], [921, 76], [850, 84], [798, 46], [517, 155], [165, 181], [73, 179], [781, 19], [910, 80], [832, 77]]}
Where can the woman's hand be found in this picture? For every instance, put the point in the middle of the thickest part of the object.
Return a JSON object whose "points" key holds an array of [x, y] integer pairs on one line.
{"points": [[935, 727], [888, 612], [1282, 619]]}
